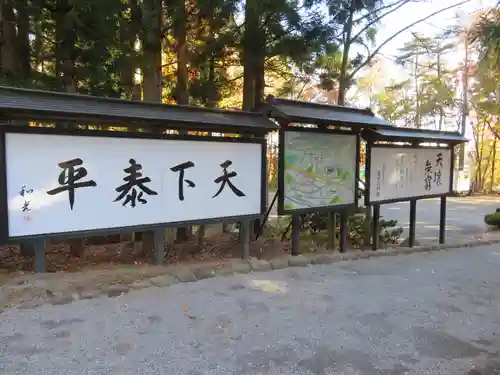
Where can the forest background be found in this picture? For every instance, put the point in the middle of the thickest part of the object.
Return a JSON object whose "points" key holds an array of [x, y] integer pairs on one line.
{"points": [[408, 60], [230, 53]]}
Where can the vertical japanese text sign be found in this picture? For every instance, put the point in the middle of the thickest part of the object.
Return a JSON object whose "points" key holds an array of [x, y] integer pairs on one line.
{"points": [[67, 183], [402, 173]]}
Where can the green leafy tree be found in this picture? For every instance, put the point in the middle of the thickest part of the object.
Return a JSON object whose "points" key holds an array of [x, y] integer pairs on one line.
{"points": [[277, 29], [485, 105], [370, 14], [433, 83], [396, 103], [485, 98], [485, 34]]}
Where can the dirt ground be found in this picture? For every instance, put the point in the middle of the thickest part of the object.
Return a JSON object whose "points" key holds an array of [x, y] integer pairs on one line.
{"points": [[59, 258], [105, 263], [118, 263]]}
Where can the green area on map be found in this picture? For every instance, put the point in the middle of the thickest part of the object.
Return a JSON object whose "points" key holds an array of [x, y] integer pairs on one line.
{"points": [[320, 169]]}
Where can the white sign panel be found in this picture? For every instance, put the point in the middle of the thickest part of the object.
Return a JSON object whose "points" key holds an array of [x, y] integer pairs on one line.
{"points": [[320, 169], [398, 173], [60, 183]]}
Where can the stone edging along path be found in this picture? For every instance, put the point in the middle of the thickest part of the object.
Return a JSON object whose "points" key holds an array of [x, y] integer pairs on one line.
{"points": [[196, 272]]}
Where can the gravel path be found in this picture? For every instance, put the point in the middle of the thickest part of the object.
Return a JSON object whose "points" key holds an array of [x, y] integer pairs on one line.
{"points": [[434, 313]]}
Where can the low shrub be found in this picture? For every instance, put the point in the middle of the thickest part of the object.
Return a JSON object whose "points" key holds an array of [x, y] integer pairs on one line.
{"points": [[389, 231], [316, 223], [493, 219]]}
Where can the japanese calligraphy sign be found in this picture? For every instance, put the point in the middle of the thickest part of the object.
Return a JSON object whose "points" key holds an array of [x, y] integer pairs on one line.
{"points": [[318, 170], [398, 173], [70, 183]]}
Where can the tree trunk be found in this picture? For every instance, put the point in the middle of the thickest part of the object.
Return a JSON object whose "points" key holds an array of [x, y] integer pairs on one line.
{"points": [[493, 160], [23, 42], [417, 94], [212, 103], [465, 105], [250, 60], [128, 35], [181, 88], [439, 74], [152, 37], [65, 72], [152, 47], [343, 86], [259, 69], [65, 46], [10, 62], [180, 24], [343, 80], [479, 163], [38, 42], [258, 56], [213, 94], [254, 53]]}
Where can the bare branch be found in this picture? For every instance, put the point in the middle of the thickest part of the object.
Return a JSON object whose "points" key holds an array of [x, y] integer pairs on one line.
{"points": [[422, 42], [378, 18], [495, 132], [379, 9], [301, 90], [362, 43], [377, 50]]}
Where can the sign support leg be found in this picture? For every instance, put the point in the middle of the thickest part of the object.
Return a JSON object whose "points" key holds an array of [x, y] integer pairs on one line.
{"points": [[245, 228], [376, 227], [27, 250], [295, 234], [442, 220], [332, 230], [368, 225], [251, 226], [148, 243], [39, 250], [344, 231], [266, 216], [200, 234], [413, 219], [159, 245]]}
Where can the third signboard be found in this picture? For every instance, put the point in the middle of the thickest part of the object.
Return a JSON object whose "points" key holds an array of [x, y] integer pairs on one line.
{"points": [[401, 173]]}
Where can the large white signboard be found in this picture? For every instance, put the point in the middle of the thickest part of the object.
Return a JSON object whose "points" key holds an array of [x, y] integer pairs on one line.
{"points": [[59, 183], [398, 173], [319, 170]]}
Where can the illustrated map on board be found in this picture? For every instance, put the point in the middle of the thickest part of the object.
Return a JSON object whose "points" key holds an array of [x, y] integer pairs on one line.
{"points": [[320, 169]]}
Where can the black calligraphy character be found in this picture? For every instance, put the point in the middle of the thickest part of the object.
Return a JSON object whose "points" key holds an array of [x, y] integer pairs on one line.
{"points": [[428, 175], [401, 172], [378, 183], [26, 206], [133, 180], [439, 166], [226, 179], [69, 177], [180, 168], [437, 177], [439, 160], [25, 191]]}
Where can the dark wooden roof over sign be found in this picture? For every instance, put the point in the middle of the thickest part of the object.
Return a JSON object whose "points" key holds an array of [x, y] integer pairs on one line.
{"points": [[289, 111], [18, 103], [413, 135]]}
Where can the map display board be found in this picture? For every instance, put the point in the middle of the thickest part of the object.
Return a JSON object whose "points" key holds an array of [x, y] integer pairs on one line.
{"points": [[318, 170], [401, 173]]}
